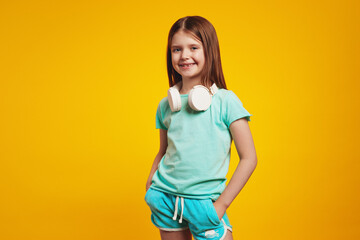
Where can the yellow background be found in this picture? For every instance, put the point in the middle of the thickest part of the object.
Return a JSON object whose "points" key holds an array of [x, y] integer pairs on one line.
{"points": [[80, 82]]}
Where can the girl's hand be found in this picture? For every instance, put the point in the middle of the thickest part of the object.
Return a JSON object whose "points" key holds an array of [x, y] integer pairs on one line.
{"points": [[220, 209]]}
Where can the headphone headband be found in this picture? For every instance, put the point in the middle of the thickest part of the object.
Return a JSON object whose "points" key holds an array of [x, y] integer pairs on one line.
{"points": [[213, 88]]}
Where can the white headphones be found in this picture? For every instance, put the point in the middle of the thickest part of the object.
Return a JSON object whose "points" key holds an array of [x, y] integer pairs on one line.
{"points": [[199, 97]]}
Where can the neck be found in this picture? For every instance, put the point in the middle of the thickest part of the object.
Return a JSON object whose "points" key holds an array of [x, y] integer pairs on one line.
{"points": [[187, 85]]}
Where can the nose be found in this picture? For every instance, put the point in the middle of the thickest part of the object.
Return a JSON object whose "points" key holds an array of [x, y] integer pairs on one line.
{"points": [[185, 54]]}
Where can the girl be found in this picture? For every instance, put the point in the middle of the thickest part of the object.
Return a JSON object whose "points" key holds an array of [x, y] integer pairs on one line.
{"points": [[199, 118]]}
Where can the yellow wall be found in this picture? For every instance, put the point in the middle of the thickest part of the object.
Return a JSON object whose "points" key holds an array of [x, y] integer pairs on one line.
{"points": [[80, 82]]}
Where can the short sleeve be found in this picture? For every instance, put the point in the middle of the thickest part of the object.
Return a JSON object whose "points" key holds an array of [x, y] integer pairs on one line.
{"points": [[233, 109], [159, 120]]}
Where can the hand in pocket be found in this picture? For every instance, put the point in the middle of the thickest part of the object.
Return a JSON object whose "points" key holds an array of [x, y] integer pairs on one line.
{"points": [[220, 209]]}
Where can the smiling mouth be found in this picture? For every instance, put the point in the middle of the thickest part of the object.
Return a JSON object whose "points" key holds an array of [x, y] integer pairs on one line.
{"points": [[187, 65]]}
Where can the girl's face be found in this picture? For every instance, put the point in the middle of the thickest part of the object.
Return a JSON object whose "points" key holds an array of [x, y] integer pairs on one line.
{"points": [[187, 55]]}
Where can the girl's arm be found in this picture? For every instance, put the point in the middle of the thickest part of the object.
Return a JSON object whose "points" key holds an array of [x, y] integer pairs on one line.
{"points": [[162, 150], [241, 134]]}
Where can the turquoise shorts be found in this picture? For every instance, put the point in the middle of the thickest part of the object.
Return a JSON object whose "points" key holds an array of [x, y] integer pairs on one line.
{"points": [[173, 213]]}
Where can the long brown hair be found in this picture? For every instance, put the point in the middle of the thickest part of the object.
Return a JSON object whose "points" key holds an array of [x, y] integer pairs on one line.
{"points": [[203, 30]]}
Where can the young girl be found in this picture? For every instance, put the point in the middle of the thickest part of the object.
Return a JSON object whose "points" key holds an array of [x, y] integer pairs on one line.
{"points": [[198, 120]]}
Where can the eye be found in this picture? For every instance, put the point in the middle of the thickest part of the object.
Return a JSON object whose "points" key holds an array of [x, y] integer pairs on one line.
{"points": [[175, 49], [194, 48]]}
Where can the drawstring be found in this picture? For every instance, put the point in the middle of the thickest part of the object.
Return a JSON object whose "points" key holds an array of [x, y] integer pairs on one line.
{"points": [[182, 209], [176, 208]]}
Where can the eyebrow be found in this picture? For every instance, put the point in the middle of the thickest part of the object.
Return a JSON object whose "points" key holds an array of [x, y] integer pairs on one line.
{"points": [[194, 44]]}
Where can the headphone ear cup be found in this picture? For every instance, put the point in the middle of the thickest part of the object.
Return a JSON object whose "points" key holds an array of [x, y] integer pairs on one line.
{"points": [[174, 99], [199, 98]]}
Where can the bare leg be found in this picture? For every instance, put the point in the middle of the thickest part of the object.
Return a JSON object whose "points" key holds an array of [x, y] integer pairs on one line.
{"points": [[178, 235]]}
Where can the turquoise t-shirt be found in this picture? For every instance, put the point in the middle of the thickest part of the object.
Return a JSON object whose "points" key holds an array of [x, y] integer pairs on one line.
{"points": [[198, 153]]}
